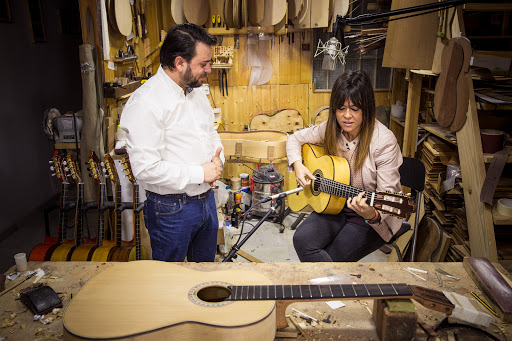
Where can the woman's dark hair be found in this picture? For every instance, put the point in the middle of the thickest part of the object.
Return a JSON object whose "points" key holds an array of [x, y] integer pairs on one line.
{"points": [[181, 41], [357, 87]]}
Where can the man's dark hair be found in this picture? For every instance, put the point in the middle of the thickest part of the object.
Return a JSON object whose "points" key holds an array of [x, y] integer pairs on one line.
{"points": [[181, 41]]}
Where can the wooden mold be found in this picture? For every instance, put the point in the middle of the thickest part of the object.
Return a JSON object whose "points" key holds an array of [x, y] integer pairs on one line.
{"points": [[262, 145]]}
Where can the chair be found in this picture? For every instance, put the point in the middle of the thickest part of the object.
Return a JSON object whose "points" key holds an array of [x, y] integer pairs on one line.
{"points": [[412, 175]]}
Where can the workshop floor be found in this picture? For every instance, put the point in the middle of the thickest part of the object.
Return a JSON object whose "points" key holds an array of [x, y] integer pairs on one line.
{"points": [[270, 246]]}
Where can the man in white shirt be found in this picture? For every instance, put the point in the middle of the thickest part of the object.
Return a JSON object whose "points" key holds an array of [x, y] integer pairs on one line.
{"points": [[175, 152]]}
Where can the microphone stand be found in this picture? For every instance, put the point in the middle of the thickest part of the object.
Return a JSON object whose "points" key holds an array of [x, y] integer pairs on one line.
{"points": [[235, 248]]}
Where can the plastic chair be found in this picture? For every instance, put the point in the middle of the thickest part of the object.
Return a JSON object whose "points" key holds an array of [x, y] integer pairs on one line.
{"points": [[412, 175]]}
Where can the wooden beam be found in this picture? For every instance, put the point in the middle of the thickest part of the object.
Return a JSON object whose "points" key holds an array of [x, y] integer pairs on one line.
{"points": [[479, 216], [412, 113]]}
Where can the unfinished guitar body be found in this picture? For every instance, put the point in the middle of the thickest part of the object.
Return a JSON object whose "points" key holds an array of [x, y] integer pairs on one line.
{"points": [[151, 300]]}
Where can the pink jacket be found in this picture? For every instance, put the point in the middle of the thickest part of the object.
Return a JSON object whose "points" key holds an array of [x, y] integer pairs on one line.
{"points": [[379, 172]]}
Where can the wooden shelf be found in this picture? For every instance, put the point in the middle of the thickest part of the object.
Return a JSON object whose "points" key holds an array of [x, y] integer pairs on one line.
{"points": [[500, 219], [488, 157], [398, 121], [440, 132], [66, 145]]}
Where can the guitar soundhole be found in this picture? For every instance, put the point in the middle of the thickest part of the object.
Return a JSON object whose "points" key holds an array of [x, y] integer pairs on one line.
{"points": [[315, 185], [210, 294], [213, 294]]}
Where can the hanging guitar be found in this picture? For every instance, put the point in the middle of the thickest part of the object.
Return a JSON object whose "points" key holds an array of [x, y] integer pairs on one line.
{"points": [[105, 248], [138, 251], [329, 190], [43, 251], [185, 304], [64, 251], [120, 252]]}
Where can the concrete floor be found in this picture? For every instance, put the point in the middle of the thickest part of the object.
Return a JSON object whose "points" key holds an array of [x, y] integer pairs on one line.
{"points": [[270, 246]]}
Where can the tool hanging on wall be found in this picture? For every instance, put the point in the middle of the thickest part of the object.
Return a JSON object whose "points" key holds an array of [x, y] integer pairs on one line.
{"points": [[223, 81]]}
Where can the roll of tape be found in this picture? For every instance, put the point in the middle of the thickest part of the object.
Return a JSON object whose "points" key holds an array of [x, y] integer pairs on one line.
{"points": [[504, 207]]}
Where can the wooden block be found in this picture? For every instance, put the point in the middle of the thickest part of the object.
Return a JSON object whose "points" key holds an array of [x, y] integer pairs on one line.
{"points": [[492, 284], [395, 319]]}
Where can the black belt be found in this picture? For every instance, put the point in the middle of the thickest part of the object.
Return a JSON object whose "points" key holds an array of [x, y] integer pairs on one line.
{"points": [[181, 195]]}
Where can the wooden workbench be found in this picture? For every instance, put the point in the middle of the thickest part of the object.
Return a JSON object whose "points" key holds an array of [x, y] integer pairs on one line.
{"points": [[352, 322]]}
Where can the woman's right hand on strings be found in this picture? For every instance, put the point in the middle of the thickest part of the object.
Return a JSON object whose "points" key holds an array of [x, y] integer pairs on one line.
{"points": [[302, 174]]}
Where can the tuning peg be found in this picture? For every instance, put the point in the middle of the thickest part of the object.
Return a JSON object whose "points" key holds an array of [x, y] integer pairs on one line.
{"points": [[64, 162], [52, 168], [50, 162], [89, 169]]}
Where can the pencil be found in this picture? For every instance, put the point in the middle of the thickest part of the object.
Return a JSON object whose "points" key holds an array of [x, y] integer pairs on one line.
{"points": [[483, 303]]}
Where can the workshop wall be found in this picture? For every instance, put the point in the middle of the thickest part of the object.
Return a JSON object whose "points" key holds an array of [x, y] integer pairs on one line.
{"points": [[37, 76]]}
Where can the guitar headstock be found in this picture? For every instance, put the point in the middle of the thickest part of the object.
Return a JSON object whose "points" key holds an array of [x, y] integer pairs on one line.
{"points": [[111, 169], [73, 166], [96, 167], [59, 167], [396, 204], [128, 168]]}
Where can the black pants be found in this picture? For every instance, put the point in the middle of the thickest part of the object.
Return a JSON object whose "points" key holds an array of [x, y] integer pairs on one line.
{"points": [[329, 238]]}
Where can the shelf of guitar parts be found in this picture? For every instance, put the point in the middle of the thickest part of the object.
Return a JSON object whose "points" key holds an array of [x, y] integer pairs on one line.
{"points": [[219, 31], [234, 159], [125, 60], [440, 132], [222, 66]]}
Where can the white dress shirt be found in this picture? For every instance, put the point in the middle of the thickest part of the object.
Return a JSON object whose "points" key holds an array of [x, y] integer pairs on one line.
{"points": [[169, 136]]}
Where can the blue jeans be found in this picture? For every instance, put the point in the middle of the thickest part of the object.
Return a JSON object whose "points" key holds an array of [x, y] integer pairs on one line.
{"points": [[182, 227]]}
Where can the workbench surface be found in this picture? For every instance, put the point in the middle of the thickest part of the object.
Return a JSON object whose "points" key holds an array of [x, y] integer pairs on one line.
{"points": [[352, 322]]}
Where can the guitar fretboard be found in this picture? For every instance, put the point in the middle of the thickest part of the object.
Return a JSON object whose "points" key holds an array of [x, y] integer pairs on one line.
{"points": [[62, 213], [118, 215], [101, 213], [304, 292], [79, 214], [136, 218], [337, 188]]}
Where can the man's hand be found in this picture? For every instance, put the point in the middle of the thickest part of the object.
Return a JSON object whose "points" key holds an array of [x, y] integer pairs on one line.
{"points": [[213, 170], [302, 174]]}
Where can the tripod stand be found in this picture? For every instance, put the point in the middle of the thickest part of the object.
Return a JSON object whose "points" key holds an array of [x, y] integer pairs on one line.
{"points": [[235, 248]]}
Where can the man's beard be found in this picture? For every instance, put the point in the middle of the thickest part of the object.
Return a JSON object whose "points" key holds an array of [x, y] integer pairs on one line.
{"points": [[189, 80]]}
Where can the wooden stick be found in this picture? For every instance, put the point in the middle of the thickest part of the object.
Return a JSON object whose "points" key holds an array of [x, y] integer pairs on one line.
{"points": [[298, 327], [15, 285]]}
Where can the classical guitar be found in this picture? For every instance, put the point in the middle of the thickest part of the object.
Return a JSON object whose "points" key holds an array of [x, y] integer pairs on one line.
{"points": [[329, 190], [43, 251], [119, 252], [85, 247], [184, 304], [64, 251], [138, 251], [104, 247]]}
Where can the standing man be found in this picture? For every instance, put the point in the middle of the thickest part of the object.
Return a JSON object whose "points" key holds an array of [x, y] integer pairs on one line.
{"points": [[175, 152]]}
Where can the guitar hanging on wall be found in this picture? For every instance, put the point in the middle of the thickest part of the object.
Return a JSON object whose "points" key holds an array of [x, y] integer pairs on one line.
{"points": [[104, 249], [43, 251], [64, 251], [118, 252], [137, 252], [185, 304], [329, 190]]}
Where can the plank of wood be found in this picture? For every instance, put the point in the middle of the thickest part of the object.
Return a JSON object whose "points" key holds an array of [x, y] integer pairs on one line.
{"points": [[492, 284], [410, 43], [248, 257]]}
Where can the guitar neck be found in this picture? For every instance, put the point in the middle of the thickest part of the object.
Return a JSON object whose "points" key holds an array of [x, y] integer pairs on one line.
{"points": [[101, 213], [118, 216], [79, 214], [341, 190], [136, 222], [318, 292], [62, 213]]}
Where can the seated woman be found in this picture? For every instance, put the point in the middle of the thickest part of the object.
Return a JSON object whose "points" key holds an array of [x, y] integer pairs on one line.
{"points": [[352, 132]]}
